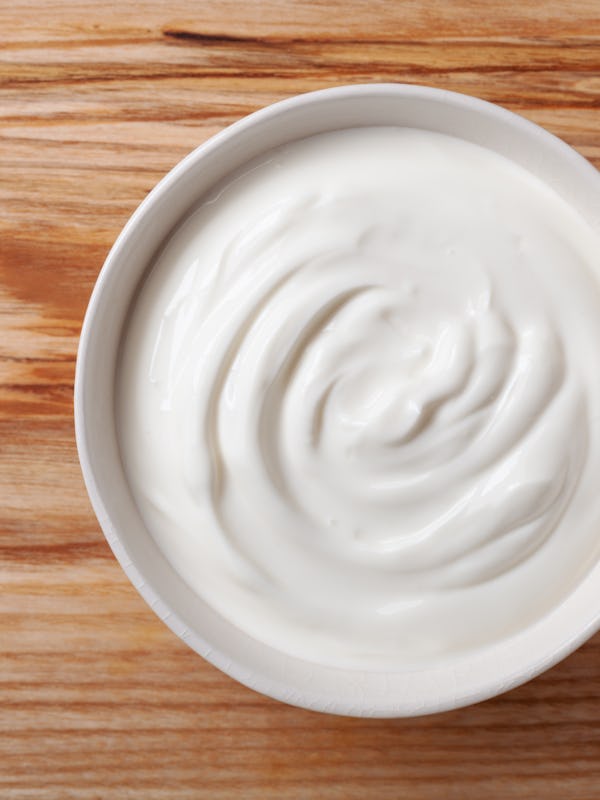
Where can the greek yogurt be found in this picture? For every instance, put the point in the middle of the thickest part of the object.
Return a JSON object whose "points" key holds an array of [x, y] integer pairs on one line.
{"points": [[358, 399]]}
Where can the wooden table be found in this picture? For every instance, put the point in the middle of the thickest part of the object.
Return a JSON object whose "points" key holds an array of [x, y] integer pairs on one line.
{"points": [[98, 100]]}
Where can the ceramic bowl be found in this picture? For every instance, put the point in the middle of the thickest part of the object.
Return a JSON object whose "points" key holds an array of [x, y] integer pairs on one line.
{"points": [[361, 693]]}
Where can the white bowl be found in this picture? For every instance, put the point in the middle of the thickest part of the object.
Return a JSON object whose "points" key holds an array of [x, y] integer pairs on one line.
{"points": [[342, 691]]}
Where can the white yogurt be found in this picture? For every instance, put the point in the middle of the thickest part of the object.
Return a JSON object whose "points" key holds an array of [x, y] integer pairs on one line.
{"points": [[359, 398]]}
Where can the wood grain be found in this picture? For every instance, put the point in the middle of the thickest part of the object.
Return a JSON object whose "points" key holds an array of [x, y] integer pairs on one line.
{"points": [[97, 101]]}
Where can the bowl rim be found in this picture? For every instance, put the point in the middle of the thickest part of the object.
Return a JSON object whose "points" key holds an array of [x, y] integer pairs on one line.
{"points": [[485, 677]]}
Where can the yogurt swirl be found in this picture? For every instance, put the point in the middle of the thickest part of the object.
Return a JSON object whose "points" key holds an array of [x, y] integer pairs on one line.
{"points": [[356, 403]]}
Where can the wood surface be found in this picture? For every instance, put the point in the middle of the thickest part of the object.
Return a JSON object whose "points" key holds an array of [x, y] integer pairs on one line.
{"points": [[97, 101]]}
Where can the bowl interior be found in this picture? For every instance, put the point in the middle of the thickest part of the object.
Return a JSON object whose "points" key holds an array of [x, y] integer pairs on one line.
{"points": [[253, 663]]}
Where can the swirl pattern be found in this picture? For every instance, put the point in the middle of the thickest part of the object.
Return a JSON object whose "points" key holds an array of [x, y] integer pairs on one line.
{"points": [[364, 405]]}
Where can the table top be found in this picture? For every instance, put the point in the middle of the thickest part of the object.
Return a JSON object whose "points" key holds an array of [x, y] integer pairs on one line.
{"points": [[97, 101]]}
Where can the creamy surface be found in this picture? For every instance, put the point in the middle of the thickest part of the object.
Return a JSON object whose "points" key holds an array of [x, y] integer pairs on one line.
{"points": [[359, 398]]}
